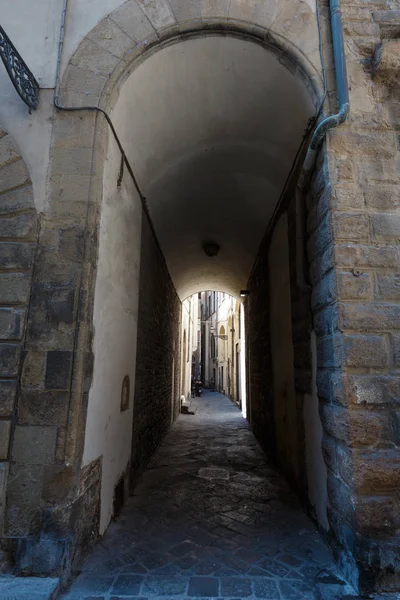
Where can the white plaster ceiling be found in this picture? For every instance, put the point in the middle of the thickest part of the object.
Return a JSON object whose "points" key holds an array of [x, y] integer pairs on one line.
{"points": [[211, 126]]}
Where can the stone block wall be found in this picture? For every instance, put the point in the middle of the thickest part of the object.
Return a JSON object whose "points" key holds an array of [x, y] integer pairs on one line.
{"points": [[18, 239], [263, 417], [157, 385], [354, 261], [355, 256]]}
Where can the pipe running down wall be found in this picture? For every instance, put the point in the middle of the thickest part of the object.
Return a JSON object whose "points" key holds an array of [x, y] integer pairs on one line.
{"points": [[341, 78]]}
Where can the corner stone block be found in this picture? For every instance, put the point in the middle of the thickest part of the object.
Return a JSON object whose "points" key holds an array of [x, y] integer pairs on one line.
{"points": [[5, 432], [388, 62], [370, 317], [34, 445], [365, 351], [9, 359], [355, 427], [340, 496], [132, 20], [92, 57], [8, 151], [242, 9], [71, 243], [366, 145], [363, 255], [378, 514], [58, 366], [385, 227], [396, 349], [8, 390], [354, 285], [330, 351], [326, 321], [319, 209], [185, 10], [325, 292], [111, 38], [388, 286], [43, 408], [16, 256], [371, 390], [11, 323], [158, 12], [328, 446], [14, 288], [349, 226], [370, 471], [33, 369], [77, 79], [322, 265], [382, 197], [13, 176], [265, 13], [348, 197], [4, 466], [214, 8], [72, 161], [321, 239], [24, 495], [16, 200], [22, 226]]}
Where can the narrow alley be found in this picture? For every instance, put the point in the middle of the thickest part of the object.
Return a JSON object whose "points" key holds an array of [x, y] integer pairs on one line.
{"points": [[212, 519]]}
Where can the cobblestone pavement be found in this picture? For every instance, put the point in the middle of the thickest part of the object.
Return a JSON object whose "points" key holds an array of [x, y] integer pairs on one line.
{"points": [[211, 519]]}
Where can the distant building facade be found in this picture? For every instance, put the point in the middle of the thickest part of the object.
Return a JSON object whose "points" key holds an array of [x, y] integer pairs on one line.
{"points": [[222, 339]]}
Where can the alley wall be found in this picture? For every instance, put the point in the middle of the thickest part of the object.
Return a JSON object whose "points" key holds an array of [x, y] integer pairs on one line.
{"points": [[109, 418], [156, 400]]}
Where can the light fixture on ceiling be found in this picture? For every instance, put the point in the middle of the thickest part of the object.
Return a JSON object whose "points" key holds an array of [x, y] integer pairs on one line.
{"points": [[211, 248], [244, 293]]}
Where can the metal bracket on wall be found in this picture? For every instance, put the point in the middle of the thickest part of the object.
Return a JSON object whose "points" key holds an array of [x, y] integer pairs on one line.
{"points": [[21, 76]]}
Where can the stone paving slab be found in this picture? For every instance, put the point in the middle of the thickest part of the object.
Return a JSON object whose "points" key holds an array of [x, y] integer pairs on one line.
{"points": [[211, 519], [28, 588]]}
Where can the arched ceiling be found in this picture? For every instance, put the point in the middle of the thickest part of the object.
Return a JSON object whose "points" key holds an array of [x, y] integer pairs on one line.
{"points": [[211, 126]]}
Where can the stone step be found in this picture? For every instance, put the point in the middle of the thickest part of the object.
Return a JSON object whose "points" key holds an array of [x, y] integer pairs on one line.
{"points": [[28, 588]]}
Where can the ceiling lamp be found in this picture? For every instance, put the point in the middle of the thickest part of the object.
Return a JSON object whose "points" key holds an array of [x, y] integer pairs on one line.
{"points": [[211, 248]]}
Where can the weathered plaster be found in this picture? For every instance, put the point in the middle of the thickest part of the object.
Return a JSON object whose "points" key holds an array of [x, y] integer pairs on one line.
{"points": [[108, 430], [32, 133], [316, 467]]}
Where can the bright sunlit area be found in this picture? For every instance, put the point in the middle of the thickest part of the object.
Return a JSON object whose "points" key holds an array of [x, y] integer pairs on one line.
{"points": [[213, 347]]}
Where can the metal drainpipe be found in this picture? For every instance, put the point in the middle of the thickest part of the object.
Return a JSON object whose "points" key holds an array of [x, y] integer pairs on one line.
{"points": [[341, 82]]}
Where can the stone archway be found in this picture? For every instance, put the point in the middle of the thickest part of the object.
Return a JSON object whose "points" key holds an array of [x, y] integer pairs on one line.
{"points": [[68, 258]]}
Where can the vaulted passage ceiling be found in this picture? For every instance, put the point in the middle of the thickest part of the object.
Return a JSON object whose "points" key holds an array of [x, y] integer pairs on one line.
{"points": [[212, 126]]}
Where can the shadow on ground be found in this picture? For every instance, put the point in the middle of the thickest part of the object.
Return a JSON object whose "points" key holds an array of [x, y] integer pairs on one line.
{"points": [[211, 519]]}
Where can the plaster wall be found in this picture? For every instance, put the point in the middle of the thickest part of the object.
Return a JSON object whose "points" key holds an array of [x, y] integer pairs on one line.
{"points": [[186, 345], [316, 467], [108, 430], [242, 379], [34, 29]]}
